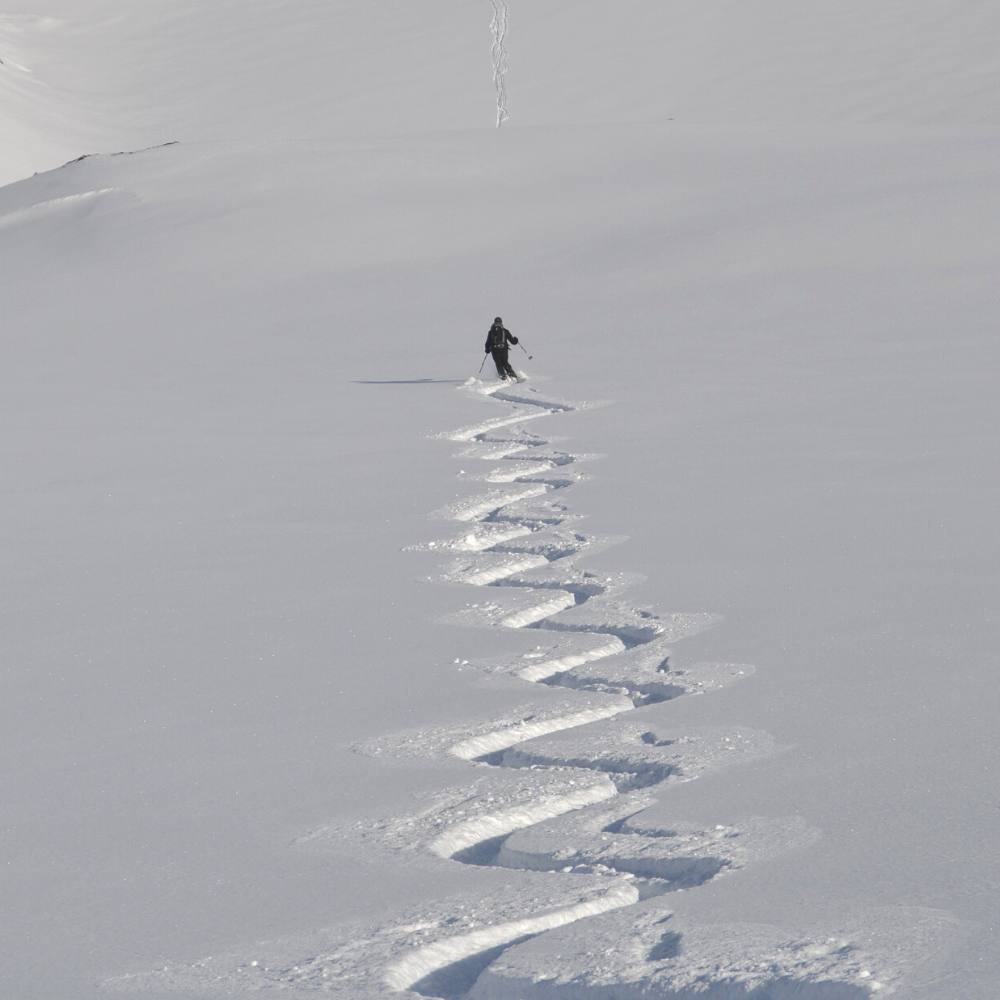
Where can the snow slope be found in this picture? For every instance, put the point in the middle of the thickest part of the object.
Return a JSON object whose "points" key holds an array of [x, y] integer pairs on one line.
{"points": [[81, 76], [329, 669]]}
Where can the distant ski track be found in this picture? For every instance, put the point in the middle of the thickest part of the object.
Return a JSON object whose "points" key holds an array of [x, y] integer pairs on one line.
{"points": [[499, 28]]}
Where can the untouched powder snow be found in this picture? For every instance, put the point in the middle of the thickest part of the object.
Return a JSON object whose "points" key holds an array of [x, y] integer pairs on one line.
{"points": [[333, 666]]}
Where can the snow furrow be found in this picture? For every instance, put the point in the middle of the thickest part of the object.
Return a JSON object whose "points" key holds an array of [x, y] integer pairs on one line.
{"points": [[517, 471], [482, 828], [483, 577], [549, 668], [540, 612], [470, 433], [503, 739], [407, 972], [476, 507]]}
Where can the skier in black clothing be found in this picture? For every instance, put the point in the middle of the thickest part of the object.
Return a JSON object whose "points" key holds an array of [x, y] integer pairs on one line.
{"points": [[496, 344]]}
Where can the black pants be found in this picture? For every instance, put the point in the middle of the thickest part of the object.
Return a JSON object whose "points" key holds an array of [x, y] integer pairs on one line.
{"points": [[504, 369]]}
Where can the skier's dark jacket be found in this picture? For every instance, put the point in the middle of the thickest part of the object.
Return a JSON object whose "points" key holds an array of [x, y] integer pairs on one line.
{"points": [[498, 338]]}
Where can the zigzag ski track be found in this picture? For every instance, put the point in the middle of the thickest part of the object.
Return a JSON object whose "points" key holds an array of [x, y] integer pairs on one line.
{"points": [[556, 791]]}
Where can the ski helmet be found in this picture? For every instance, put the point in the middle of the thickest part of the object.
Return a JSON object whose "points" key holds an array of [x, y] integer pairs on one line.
{"points": [[498, 321]]}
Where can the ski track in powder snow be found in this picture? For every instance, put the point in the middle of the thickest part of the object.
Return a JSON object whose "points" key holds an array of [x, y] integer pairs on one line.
{"points": [[557, 790]]}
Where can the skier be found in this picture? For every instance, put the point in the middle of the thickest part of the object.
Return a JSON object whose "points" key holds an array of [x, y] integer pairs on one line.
{"points": [[496, 344]]}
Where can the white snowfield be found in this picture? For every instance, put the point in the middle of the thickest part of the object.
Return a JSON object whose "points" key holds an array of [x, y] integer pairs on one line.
{"points": [[333, 666]]}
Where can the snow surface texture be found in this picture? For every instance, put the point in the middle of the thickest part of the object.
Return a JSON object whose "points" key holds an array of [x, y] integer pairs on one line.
{"points": [[565, 795], [767, 232]]}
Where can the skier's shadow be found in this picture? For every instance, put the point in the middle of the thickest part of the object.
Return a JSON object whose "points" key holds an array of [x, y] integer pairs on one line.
{"points": [[408, 381]]}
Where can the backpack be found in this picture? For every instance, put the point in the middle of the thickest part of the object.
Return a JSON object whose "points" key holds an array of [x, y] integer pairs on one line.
{"points": [[498, 337]]}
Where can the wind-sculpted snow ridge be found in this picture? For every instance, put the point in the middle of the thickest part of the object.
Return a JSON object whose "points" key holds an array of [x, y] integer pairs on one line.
{"points": [[69, 208], [558, 789]]}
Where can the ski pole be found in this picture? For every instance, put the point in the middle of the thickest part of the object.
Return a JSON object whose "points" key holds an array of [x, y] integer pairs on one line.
{"points": [[530, 357], [484, 362]]}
